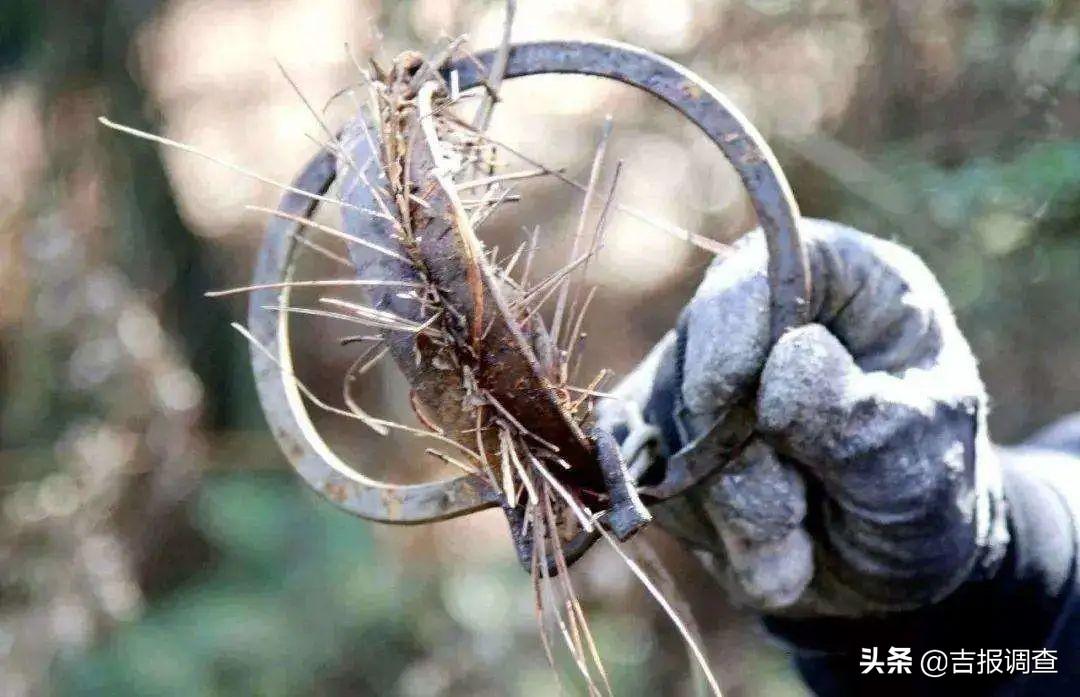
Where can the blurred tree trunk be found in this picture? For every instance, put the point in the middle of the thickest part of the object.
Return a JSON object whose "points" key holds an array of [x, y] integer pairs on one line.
{"points": [[121, 365], [93, 47]]}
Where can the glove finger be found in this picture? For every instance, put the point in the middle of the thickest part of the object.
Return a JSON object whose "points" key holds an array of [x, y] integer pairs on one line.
{"points": [[723, 335], [871, 436], [634, 392], [640, 416], [896, 457], [878, 298], [758, 504]]}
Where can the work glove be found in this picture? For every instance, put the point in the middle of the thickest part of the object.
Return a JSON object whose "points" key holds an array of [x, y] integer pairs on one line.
{"points": [[867, 482]]}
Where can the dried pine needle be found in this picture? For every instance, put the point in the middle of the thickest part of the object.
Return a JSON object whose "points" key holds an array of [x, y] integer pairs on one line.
{"points": [[333, 231], [702, 662], [332, 282]]}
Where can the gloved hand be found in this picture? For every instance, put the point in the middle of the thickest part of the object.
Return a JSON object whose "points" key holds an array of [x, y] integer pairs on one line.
{"points": [[869, 483]]}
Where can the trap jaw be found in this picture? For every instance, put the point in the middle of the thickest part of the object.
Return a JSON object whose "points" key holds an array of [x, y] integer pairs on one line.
{"points": [[350, 490]]}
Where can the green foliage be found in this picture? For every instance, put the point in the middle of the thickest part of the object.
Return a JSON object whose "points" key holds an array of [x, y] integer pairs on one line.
{"points": [[982, 217], [296, 591], [299, 601], [20, 31]]}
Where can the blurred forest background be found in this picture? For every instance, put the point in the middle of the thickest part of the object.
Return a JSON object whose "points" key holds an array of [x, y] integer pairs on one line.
{"points": [[153, 540]]}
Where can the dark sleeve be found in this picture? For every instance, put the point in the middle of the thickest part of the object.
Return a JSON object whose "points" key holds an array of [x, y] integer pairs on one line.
{"points": [[1031, 602]]}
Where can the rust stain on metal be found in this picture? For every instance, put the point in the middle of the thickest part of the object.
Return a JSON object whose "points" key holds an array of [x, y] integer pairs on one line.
{"points": [[336, 492], [691, 89]]}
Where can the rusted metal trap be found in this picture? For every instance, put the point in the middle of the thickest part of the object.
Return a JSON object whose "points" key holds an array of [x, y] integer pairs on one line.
{"points": [[473, 356]]}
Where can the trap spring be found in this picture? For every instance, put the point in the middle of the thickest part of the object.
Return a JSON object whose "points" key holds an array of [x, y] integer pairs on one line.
{"points": [[510, 364]]}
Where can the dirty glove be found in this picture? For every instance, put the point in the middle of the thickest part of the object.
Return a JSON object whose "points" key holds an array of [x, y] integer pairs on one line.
{"points": [[868, 483]]}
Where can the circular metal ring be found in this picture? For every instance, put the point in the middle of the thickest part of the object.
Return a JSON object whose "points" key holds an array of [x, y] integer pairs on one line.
{"points": [[282, 402]]}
